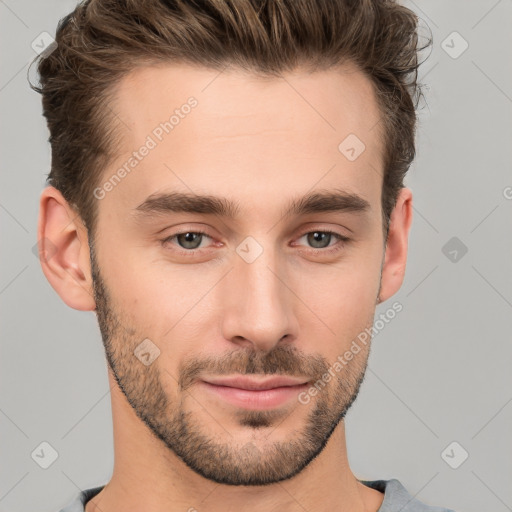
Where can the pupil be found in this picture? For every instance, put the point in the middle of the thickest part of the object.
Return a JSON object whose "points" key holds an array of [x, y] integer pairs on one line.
{"points": [[189, 238], [318, 235]]}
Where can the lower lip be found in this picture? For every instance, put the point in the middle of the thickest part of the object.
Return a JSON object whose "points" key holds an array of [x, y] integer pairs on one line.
{"points": [[256, 399]]}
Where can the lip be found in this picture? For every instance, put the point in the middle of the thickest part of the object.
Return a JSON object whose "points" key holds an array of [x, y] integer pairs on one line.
{"points": [[251, 383], [255, 394]]}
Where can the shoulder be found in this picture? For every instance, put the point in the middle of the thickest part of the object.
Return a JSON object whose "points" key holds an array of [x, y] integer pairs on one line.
{"points": [[78, 503], [396, 497]]}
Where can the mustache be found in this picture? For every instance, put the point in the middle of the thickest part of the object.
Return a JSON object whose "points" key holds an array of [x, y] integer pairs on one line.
{"points": [[283, 360]]}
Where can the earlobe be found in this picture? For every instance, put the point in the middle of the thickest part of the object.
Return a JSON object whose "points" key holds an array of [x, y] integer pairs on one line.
{"points": [[395, 259], [64, 250]]}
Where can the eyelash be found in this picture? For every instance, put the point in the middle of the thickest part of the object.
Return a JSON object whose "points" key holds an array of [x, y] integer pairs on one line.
{"points": [[342, 240]]}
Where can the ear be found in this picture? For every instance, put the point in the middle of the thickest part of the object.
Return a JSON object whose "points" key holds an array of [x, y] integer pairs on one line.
{"points": [[395, 260], [64, 250]]}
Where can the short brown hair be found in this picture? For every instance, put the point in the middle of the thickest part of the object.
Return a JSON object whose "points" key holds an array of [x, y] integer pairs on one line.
{"points": [[103, 40]]}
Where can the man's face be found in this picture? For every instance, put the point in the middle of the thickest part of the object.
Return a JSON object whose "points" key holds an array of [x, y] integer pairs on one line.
{"points": [[286, 301]]}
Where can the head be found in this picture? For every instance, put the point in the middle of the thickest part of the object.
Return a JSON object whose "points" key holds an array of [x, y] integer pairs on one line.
{"points": [[226, 193]]}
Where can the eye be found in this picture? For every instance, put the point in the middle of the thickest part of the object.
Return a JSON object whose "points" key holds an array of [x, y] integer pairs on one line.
{"points": [[320, 240], [189, 240]]}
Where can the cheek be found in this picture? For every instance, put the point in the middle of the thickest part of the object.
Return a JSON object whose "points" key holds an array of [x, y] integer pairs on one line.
{"points": [[342, 296], [152, 293], [161, 299]]}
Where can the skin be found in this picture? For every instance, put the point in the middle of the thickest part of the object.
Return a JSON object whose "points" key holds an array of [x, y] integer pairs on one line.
{"points": [[291, 311]]}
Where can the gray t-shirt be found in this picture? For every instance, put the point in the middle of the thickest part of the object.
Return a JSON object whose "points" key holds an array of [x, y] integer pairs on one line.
{"points": [[396, 498]]}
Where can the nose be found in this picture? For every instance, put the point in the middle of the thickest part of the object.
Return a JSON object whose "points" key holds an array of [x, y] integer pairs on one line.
{"points": [[258, 303]]}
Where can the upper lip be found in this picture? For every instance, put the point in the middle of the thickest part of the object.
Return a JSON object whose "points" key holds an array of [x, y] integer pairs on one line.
{"points": [[252, 383]]}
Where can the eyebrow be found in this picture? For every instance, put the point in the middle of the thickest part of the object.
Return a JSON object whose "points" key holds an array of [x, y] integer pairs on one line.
{"points": [[320, 201]]}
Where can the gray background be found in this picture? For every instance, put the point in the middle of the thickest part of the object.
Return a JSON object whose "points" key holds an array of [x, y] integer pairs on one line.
{"points": [[438, 373]]}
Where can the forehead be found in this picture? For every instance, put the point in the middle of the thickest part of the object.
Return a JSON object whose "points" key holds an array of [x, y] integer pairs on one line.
{"points": [[231, 133]]}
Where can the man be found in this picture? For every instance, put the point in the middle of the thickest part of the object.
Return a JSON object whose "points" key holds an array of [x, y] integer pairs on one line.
{"points": [[227, 195]]}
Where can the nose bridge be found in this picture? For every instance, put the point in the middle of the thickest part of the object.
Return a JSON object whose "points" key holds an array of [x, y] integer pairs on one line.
{"points": [[260, 308]]}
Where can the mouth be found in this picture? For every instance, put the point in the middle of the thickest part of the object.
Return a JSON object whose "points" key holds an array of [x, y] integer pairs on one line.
{"points": [[255, 393]]}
